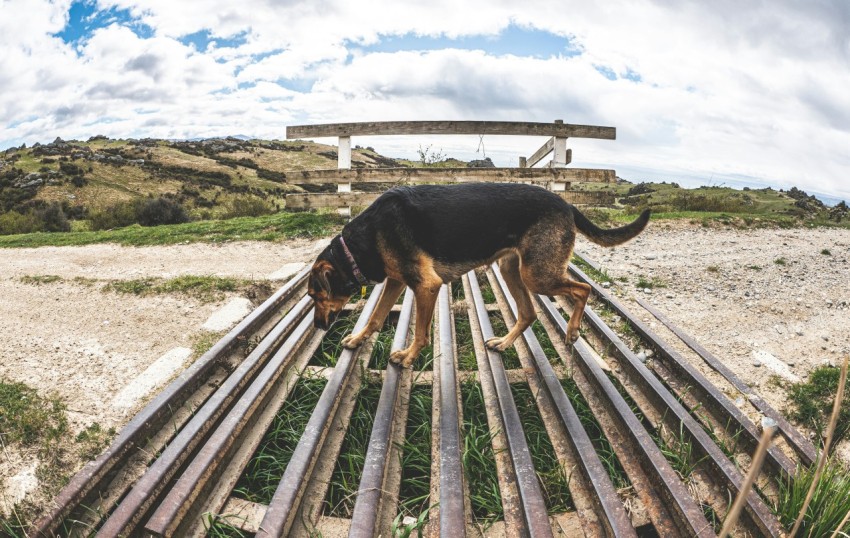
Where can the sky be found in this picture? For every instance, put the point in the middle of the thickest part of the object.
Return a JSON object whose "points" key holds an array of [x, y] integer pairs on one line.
{"points": [[718, 93]]}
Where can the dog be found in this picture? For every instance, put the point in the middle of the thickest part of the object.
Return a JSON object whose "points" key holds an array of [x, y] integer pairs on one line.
{"points": [[425, 236]]}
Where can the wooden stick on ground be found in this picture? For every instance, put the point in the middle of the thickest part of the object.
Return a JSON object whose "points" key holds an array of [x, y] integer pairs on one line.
{"points": [[755, 468]]}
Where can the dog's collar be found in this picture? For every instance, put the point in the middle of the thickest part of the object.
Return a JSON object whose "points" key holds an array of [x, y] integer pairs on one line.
{"points": [[362, 280]]}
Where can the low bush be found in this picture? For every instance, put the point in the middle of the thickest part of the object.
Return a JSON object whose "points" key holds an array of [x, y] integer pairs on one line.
{"points": [[248, 206], [147, 212]]}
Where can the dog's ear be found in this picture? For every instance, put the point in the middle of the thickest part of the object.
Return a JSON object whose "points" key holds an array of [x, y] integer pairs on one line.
{"points": [[323, 271]]}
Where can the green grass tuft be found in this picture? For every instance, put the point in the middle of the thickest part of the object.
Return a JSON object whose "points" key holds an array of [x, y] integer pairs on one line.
{"points": [[831, 500], [331, 347], [203, 288], [40, 279], [29, 419], [811, 402]]}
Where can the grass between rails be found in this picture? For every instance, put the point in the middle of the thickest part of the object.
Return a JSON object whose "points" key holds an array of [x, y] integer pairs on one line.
{"points": [[342, 491], [265, 470], [554, 479], [479, 463], [416, 455], [282, 225]]}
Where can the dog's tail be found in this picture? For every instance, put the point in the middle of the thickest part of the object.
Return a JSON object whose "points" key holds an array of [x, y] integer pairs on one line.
{"points": [[614, 236]]}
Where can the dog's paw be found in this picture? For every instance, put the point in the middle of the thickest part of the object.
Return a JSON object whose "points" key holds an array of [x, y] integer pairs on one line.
{"points": [[351, 342], [572, 335], [497, 343], [403, 357]]}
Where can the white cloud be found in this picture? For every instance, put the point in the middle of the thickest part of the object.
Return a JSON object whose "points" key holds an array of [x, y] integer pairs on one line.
{"points": [[723, 88]]}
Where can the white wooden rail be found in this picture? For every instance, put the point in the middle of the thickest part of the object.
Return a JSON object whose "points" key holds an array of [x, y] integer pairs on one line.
{"points": [[554, 174]]}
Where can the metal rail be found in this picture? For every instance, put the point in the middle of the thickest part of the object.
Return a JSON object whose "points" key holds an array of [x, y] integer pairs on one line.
{"points": [[802, 446], [367, 509], [95, 476], [281, 511], [532, 506], [699, 386], [679, 418], [452, 513], [200, 461], [610, 510], [150, 486]]}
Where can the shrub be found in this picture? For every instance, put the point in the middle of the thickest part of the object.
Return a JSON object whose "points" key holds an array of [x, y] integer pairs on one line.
{"points": [[248, 206], [53, 219], [157, 211], [686, 201], [116, 216], [18, 223], [70, 169]]}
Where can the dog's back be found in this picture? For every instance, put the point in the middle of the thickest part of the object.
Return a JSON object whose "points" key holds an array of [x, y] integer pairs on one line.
{"points": [[472, 221]]}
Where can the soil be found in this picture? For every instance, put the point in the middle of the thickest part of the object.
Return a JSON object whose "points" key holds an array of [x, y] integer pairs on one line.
{"points": [[724, 286]]}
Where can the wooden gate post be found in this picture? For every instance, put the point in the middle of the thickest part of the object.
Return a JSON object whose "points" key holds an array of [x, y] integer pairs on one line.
{"points": [[344, 163], [559, 160]]}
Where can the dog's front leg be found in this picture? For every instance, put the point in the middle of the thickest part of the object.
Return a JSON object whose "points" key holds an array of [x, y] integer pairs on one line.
{"points": [[426, 298], [389, 295]]}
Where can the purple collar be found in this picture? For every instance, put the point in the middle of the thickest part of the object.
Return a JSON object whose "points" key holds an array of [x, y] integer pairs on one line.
{"points": [[354, 268]]}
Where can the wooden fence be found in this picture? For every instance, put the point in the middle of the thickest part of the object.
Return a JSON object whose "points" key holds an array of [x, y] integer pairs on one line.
{"points": [[554, 174]]}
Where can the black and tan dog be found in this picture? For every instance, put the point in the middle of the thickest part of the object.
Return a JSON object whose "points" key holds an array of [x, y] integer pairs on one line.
{"points": [[425, 236]]}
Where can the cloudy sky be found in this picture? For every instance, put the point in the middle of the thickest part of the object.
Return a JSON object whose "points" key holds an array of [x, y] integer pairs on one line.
{"points": [[721, 92]]}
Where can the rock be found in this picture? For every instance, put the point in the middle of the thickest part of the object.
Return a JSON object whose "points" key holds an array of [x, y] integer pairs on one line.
{"points": [[641, 356], [757, 364], [481, 163], [799, 333], [649, 353], [606, 284]]}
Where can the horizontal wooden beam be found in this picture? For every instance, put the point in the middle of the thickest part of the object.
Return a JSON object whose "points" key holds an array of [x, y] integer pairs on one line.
{"points": [[380, 128], [448, 175], [363, 199]]}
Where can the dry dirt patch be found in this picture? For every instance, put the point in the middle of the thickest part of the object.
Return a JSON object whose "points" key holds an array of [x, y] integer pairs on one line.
{"points": [[71, 339]]}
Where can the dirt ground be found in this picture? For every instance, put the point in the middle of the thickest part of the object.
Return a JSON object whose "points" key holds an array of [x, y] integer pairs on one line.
{"points": [[742, 293]]}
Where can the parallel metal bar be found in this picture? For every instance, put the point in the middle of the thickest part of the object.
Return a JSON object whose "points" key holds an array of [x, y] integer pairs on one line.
{"points": [[92, 476], [531, 498], [611, 511], [759, 515], [802, 446], [364, 519], [204, 468], [669, 490], [287, 497], [451, 503], [706, 392], [150, 486]]}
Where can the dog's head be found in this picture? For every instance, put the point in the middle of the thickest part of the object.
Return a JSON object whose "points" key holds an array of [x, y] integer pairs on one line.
{"points": [[329, 288]]}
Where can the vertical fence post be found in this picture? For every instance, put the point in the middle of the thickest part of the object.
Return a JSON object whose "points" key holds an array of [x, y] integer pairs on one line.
{"points": [[344, 163], [560, 159]]}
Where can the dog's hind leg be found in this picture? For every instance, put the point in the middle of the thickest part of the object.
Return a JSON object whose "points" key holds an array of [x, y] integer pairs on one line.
{"points": [[389, 295], [545, 253], [509, 266]]}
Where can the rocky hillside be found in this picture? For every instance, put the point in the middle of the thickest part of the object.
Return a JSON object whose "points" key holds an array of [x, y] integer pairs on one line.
{"points": [[207, 178]]}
